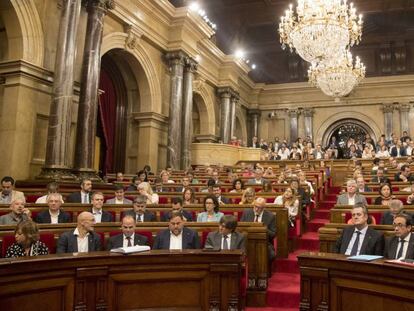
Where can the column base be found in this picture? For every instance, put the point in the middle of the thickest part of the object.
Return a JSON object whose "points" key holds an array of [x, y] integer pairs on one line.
{"points": [[206, 138], [56, 174], [87, 173]]}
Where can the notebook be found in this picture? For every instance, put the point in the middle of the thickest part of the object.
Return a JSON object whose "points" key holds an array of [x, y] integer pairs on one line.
{"points": [[131, 249], [365, 257]]}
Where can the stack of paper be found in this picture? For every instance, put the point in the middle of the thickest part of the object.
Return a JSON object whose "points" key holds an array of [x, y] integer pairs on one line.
{"points": [[365, 257], [131, 249]]}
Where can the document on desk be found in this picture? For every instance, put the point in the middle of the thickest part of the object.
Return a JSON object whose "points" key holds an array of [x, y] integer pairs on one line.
{"points": [[365, 257], [131, 249]]}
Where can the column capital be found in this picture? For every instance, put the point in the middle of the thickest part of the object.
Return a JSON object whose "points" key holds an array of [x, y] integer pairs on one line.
{"points": [[102, 4], [386, 108], [293, 113], [176, 57], [191, 64], [253, 112], [224, 92], [308, 112], [404, 107]]}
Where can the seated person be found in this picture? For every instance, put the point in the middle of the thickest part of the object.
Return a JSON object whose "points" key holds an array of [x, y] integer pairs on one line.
{"points": [[177, 236], [302, 194], [404, 175], [27, 241], [52, 187], [248, 196], [401, 245], [226, 237], [189, 196], [99, 214], [290, 201], [177, 206], [386, 196], [360, 239], [17, 214], [210, 183], [395, 208], [8, 194], [185, 183], [238, 186], [84, 195], [53, 215], [266, 187], [217, 193], [259, 214], [134, 184], [128, 237], [303, 181], [351, 197], [119, 196], [145, 189], [258, 178], [139, 211], [82, 239], [380, 177], [211, 210], [361, 187]]}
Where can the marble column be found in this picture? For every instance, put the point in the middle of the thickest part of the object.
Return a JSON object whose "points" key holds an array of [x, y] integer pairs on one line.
{"points": [[388, 124], [254, 124], [176, 62], [404, 117], [88, 100], [187, 127], [233, 103], [308, 120], [225, 103], [293, 121], [57, 164]]}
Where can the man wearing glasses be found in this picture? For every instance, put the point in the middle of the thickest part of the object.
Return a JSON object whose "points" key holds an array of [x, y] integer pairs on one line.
{"points": [[139, 211], [401, 245], [360, 239]]}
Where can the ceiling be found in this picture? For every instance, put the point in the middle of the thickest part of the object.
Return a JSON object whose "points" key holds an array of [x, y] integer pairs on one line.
{"points": [[387, 45]]}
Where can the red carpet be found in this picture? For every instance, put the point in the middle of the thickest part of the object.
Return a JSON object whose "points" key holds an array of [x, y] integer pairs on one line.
{"points": [[283, 293]]}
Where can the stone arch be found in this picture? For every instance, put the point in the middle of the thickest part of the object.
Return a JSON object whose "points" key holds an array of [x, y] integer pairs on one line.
{"points": [[205, 105], [241, 125], [145, 74], [328, 127], [25, 33]]}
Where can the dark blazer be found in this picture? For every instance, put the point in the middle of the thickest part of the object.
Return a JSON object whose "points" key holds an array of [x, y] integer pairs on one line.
{"points": [[387, 218], [190, 239], [148, 216], [391, 245], [118, 241], [68, 242], [186, 214], [224, 200], [381, 180], [397, 177], [394, 152], [366, 189], [238, 240], [106, 216], [76, 197], [373, 243], [44, 217]]}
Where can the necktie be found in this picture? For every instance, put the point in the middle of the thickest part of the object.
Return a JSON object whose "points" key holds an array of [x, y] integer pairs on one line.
{"points": [[129, 241], [354, 250], [256, 218], [400, 252], [225, 243]]}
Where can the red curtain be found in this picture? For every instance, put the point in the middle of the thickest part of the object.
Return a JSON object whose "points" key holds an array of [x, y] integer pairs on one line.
{"points": [[107, 105]]}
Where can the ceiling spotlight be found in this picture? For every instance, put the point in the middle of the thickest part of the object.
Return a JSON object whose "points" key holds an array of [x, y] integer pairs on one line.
{"points": [[253, 66], [194, 6], [239, 54]]}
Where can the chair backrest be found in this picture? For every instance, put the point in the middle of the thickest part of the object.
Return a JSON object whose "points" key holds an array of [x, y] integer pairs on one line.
{"points": [[49, 239], [6, 242], [204, 235], [147, 234]]}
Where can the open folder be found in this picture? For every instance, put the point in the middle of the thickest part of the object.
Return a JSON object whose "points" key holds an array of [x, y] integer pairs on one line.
{"points": [[131, 249]]}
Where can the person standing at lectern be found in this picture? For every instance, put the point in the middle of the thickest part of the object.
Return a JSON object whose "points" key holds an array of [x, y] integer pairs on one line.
{"points": [[360, 239]]}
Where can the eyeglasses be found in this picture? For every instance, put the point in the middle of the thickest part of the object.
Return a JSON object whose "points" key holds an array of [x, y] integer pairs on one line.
{"points": [[399, 225]]}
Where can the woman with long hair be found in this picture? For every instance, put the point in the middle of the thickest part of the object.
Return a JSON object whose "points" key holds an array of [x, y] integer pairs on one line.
{"points": [[385, 192], [289, 200]]}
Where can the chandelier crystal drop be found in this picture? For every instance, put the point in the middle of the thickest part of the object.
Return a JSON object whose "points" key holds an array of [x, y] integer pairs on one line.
{"points": [[339, 77], [321, 29]]}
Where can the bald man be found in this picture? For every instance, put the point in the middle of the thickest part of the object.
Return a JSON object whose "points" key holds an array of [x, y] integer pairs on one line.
{"points": [[82, 239]]}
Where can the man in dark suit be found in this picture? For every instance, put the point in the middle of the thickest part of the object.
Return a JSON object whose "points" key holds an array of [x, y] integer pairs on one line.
{"points": [[217, 192], [53, 215], [259, 214], [82, 239], [177, 236], [398, 150], [361, 186], [226, 237], [380, 177], [359, 239], [128, 237], [139, 210], [402, 244], [84, 195], [255, 143], [99, 214], [405, 174], [395, 208], [177, 206]]}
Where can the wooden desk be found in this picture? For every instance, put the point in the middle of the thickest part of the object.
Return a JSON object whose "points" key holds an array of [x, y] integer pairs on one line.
{"points": [[155, 280], [330, 282]]}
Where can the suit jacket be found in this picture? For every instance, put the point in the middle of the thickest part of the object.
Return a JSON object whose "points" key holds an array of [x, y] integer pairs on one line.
{"points": [[387, 218], [237, 240], [394, 152], [391, 245], [397, 177], [343, 199], [118, 241], [76, 197], [381, 180], [252, 181], [190, 239], [373, 243], [106, 216], [68, 242], [224, 200], [186, 214], [148, 216], [268, 218], [112, 201], [366, 189], [44, 217]]}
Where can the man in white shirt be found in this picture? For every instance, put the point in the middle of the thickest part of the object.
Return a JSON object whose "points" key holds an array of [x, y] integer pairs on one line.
{"points": [[401, 245], [53, 215], [52, 187], [351, 196], [97, 204], [128, 237], [119, 196], [83, 196]]}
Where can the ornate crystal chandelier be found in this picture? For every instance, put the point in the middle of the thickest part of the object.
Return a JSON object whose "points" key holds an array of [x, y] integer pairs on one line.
{"points": [[320, 29], [337, 78]]}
